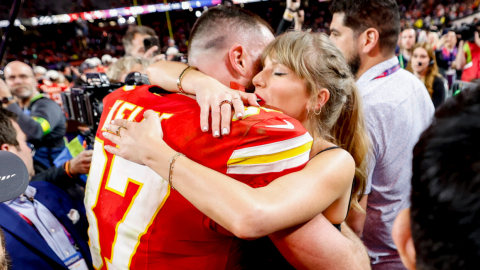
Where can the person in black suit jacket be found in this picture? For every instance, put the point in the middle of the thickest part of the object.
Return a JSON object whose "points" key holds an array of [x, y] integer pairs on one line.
{"points": [[26, 247]]}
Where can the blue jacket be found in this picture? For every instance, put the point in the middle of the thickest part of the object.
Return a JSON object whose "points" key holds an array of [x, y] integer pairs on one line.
{"points": [[26, 247]]}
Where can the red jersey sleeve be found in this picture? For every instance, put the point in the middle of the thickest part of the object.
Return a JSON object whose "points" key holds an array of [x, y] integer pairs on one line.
{"points": [[275, 145]]}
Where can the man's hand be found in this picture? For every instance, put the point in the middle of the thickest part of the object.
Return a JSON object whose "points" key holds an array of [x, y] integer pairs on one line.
{"points": [[81, 163], [149, 55], [442, 41], [293, 5]]}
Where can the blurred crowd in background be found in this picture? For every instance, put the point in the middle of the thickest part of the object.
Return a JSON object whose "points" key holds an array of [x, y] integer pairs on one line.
{"points": [[74, 42], [434, 45]]}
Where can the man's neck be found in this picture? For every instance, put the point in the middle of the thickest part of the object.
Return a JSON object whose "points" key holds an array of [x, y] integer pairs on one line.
{"points": [[25, 102], [371, 62]]}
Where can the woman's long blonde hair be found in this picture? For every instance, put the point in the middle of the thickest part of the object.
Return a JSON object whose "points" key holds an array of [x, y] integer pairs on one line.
{"points": [[432, 69], [315, 59]]}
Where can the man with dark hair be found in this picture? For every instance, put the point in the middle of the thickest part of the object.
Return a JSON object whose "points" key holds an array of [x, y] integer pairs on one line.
{"points": [[408, 39], [133, 42], [441, 230], [397, 109], [40, 118], [45, 228]]}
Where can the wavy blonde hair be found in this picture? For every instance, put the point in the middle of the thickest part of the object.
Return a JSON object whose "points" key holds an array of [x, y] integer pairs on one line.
{"points": [[315, 59]]}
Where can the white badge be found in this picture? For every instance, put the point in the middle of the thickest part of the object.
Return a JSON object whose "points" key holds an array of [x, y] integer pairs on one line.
{"points": [[76, 262]]}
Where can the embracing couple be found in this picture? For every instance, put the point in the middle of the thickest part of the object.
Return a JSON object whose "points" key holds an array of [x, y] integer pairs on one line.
{"points": [[289, 170]]}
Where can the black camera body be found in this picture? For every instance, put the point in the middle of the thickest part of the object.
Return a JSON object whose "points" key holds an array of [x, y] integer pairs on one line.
{"points": [[467, 31], [85, 104]]}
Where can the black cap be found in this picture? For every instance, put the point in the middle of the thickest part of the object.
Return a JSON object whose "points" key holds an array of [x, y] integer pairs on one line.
{"points": [[14, 176]]}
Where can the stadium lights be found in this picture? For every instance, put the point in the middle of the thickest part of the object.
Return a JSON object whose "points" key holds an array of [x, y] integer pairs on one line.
{"points": [[112, 13]]}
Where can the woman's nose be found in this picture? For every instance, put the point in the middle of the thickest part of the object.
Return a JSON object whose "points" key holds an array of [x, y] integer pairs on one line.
{"points": [[258, 80]]}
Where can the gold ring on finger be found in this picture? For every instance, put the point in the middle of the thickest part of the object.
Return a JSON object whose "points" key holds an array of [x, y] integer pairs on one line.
{"points": [[117, 132], [226, 101]]}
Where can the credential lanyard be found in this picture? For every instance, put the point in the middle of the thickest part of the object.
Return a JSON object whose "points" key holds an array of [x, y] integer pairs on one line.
{"points": [[388, 72]]}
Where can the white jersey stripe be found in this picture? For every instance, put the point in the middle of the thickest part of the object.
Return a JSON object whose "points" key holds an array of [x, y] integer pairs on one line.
{"points": [[272, 148], [270, 167]]}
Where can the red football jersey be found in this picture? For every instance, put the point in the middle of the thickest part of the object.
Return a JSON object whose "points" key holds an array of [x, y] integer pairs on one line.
{"points": [[138, 222]]}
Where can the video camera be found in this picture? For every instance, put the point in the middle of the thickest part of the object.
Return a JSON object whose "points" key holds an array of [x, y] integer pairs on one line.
{"points": [[467, 31], [85, 104]]}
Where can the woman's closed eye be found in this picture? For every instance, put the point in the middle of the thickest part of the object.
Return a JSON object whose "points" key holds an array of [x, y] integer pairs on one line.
{"points": [[279, 73]]}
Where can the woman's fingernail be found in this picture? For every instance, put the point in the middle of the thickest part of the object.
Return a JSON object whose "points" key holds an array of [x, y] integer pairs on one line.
{"points": [[225, 131], [216, 133], [205, 129], [113, 122], [107, 126], [239, 115], [104, 134]]}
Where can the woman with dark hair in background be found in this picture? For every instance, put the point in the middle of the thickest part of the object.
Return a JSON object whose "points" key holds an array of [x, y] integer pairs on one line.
{"points": [[424, 66]]}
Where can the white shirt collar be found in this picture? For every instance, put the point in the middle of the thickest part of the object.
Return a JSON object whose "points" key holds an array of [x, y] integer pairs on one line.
{"points": [[375, 71]]}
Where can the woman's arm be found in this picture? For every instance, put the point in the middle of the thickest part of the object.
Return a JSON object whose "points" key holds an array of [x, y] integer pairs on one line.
{"points": [[210, 93], [166, 73], [246, 212]]}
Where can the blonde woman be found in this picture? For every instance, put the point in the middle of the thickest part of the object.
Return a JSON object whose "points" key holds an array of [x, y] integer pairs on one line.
{"points": [[305, 76]]}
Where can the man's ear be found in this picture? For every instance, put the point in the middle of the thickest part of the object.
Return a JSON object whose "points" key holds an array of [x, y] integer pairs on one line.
{"points": [[239, 60], [370, 39], [4, 147], [402, 236]]}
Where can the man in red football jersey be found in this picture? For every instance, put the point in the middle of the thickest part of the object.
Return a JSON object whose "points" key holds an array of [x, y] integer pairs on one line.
{"points": [[138, 222]]}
